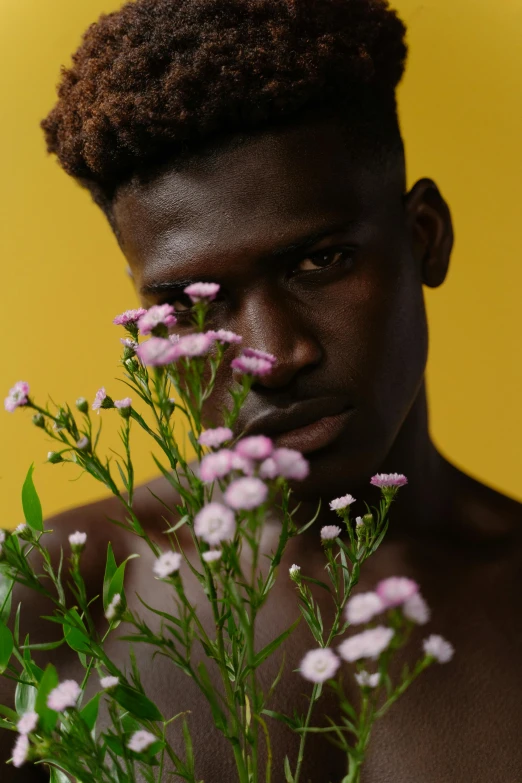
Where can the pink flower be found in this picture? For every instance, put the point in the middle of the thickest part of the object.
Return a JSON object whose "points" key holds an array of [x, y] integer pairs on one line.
{"points": [[113, 608], [216, 437], [129, 317], [268, 469], [416, 609], [224, 336], [368, 644], [215, 523], [128, 343], [83, 443], [77, 540], [20, 750], [17, 396], [339, 503], [363, 607], [329, 532], [199, 291], [290, 464], [157, 352], [99, 400], [367, 680], [437, 647], [196, 344], [256, 354], [125, 403], [167, 564], [319, 665], [28, 722], [255, 447], [250, 365], [217, 465], [246, 493], [155, 316], [141, 740], [384, 480], [395, 590], [212, 556], [109, 682], [242, 464], [65, 695]]}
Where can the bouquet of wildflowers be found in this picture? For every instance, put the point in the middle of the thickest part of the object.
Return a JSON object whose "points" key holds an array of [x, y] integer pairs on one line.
{"points": [[224, 497]]}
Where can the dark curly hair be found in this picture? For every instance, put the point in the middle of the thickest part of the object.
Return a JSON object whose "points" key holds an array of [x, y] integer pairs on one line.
{"points": [[160, 77]]}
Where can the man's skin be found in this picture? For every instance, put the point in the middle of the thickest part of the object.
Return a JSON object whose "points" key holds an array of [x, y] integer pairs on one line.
{"points": [[354, 336]]}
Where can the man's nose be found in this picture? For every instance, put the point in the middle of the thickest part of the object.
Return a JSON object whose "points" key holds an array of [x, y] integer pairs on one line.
{"points": [[271, 321]]}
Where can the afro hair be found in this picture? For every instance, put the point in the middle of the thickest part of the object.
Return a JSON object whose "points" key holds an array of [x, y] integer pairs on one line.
{"points": [[159, 77]]}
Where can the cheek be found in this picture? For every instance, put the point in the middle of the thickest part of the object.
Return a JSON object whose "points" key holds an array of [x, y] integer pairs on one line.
{"points": [[376, 339]]}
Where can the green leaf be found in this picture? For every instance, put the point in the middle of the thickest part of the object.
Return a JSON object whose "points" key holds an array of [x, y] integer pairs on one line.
{"points": [[110, 570], [6, 646], [48, 682], [57, 776], [6, 593], [116, 583], [31, 503], [272, 647], [25, 695], [136, 703], [288, 772], [90, 712], [218, 715], [77, 638]]}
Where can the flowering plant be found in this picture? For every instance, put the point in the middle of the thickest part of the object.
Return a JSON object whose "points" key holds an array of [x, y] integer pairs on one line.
{"points": [[120, 734]]}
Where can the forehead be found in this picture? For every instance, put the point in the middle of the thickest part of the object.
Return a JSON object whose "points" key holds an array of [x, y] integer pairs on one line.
{"points": [[247, 198]]}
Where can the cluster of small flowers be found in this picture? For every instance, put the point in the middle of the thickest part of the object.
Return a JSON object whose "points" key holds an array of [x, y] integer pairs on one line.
{"points": [[18, 396], [321, 664]]}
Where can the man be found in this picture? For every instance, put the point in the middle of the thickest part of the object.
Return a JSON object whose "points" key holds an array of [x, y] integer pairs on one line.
{"points": [[256, 144]]}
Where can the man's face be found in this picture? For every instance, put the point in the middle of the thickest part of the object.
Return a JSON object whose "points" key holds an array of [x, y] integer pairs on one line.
{"points": [[313, 252]]}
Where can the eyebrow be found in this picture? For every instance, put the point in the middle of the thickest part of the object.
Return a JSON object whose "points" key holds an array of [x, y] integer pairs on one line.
{"points": [[299, 245]]}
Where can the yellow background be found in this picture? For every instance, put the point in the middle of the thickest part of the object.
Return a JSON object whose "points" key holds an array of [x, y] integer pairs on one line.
{"points": [[63, 277]]}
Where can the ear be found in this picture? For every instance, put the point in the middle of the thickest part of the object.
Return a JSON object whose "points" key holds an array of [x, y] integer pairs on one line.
{"points": [[431, 231]]}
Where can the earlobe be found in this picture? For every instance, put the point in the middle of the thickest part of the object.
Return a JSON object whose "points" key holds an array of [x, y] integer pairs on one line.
{"points": [[431, 231]]}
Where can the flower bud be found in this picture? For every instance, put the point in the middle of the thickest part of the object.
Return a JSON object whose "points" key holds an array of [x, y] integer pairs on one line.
{"points": [[84, 444], [24, 531], [77, 541], [54, 457], [39, 420], [132, 365], [295, 573], [82, 404]]}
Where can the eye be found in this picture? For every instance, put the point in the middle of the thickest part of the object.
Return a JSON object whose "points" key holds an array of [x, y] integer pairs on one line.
{"points": [[324, 259], [181, 303]]}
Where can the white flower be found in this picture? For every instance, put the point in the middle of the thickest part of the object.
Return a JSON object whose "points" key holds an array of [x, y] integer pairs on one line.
{"points": [[319, 665], [416, 609], [20, 750], [215, 523], [20, 529], [109, 682], [437, 647], [294, 571], [166, 564], [141, 740], [329, 532], [64, 695], [363, 607], [359, 522], [83, 443], [2, 536], [395, 590], [27, 722], [110, 614], [368, 644], [77, 539], [340, 503], [212, 556], [367, 680]]}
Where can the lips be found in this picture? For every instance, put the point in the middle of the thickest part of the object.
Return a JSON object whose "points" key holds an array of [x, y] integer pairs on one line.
{"points": [[305, 426]]}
